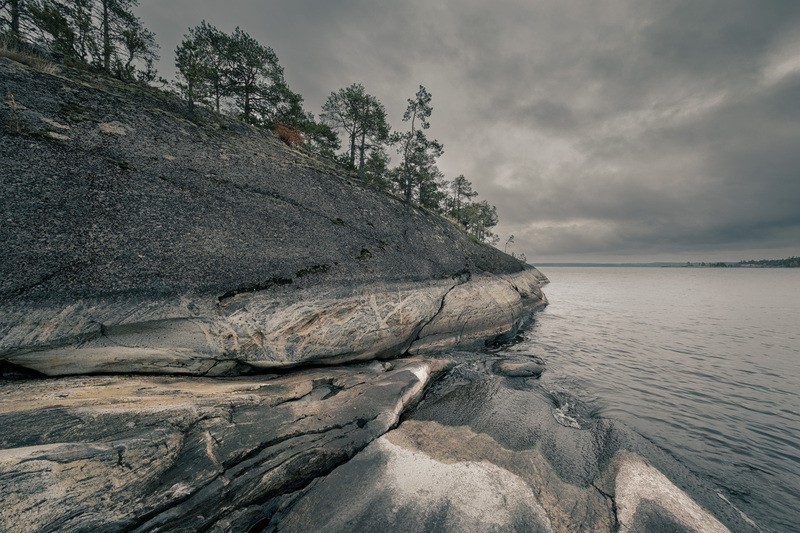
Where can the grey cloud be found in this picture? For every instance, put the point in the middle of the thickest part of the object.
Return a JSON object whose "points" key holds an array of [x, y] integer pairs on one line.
{"points": [[599, 129]]}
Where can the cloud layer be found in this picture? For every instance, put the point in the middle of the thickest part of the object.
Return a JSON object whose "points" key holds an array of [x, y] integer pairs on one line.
{"points": [[604, 130]]}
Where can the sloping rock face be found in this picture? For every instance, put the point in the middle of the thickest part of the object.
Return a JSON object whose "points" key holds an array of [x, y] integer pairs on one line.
{"points": [[139, 238]]}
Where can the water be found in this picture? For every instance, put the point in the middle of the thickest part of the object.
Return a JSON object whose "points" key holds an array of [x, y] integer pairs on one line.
{"points": [[705, 363]]}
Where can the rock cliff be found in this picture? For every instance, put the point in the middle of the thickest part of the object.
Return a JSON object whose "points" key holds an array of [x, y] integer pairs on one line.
{"points": [[202, 329], [138, 240]]}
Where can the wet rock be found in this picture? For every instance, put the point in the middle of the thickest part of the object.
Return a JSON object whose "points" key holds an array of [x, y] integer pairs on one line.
{"points": [[166, 453], [515, 368]]}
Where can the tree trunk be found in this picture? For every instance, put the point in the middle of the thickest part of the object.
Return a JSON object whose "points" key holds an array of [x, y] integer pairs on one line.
{"points": [[106, 38], [15, 18], [407, 179], [128, 65], [353, 147], [361, 152], [190, 93], [406, 175]]}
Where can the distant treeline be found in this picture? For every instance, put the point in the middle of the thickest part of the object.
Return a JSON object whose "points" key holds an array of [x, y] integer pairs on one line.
{"points": [[233, 73], [790, 262]]}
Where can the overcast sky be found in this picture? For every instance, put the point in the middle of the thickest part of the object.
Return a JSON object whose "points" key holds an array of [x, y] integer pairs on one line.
{"points": [[603, 130]]}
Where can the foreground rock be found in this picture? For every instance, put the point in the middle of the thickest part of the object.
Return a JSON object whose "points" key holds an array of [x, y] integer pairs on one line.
{"points": [[484, 452], [169, 453]]}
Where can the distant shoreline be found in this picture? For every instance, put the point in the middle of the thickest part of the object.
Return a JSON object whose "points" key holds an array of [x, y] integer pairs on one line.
{"points": [[792, 262]]}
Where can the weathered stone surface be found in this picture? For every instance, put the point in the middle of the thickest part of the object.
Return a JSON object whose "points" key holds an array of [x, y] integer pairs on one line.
{"points": [[642, 490], [264, 330], [414, 491], [489, 309], [250, 330], [231, 208], [184, 454], [519, 368]]}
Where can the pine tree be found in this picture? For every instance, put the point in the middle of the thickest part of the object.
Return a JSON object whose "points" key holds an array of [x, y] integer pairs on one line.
{"points": [[12, 17], [104, 33], [53, 21], [252, 73], [363, 119], [135, 43], [462, 195], [215, 47], [417, 151], [376, 168], [194, 73]]}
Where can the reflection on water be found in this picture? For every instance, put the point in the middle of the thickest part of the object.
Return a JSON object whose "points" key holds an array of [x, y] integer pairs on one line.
{"points": [[703, 362]]}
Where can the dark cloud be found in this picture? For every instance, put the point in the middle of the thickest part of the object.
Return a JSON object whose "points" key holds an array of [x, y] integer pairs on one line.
{"points": [[601, 130]]}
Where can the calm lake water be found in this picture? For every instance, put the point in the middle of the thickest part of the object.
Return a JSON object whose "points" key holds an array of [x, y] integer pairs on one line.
{"points": [[705, 363]]}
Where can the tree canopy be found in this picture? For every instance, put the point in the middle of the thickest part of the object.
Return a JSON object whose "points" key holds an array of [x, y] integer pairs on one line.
{"points": [[362, 117], [235, 70], [104, 34]]}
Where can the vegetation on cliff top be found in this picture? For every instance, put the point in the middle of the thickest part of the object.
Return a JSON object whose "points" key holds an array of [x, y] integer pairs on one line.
{"points": [[236, 75]]}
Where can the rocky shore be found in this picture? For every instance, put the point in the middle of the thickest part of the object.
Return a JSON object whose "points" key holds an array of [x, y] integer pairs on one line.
{"points": [[202, 329]]}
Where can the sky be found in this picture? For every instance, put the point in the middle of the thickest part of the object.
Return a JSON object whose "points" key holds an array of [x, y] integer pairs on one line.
{"points": [[603, 130]]}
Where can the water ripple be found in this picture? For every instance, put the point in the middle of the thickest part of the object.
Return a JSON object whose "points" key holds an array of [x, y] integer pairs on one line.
{"points": [[677, 355]]}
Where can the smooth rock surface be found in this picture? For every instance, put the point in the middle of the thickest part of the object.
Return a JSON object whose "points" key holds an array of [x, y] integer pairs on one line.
{"points": [[517, 368], [483, 452], [489, 308], [637, 482], [186, 454]]}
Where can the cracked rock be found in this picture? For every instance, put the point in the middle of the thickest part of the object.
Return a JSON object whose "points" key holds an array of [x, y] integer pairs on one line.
{"points": [[160, 453]]}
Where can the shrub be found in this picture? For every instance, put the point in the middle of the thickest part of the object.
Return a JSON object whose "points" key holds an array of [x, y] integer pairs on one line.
{"points": [[290, 136]]}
